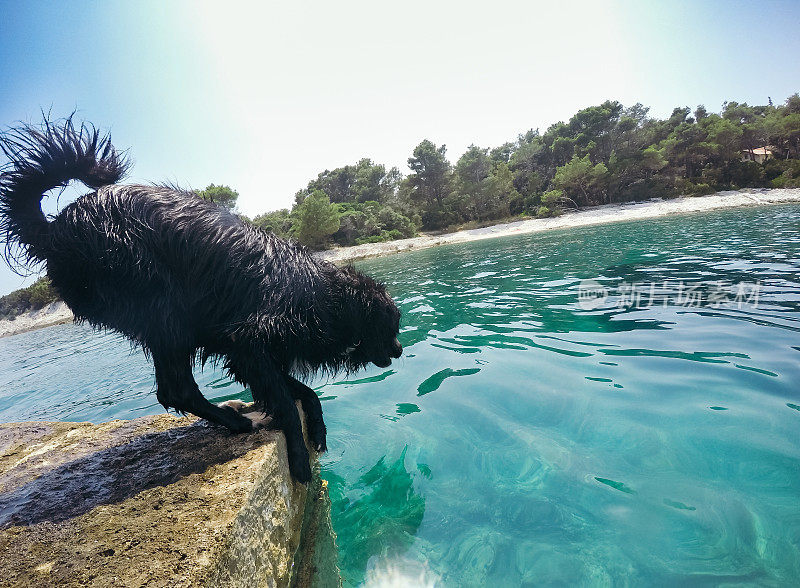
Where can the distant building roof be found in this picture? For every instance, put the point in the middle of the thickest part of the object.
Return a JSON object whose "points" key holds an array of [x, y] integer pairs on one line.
{"points": [[759, 151]]}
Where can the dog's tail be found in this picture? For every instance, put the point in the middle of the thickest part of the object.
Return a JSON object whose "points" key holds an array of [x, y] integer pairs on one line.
{"points": [[40, 159]]}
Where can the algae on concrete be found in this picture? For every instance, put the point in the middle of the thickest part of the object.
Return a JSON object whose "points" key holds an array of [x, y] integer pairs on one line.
{"points": [[317, 559]]}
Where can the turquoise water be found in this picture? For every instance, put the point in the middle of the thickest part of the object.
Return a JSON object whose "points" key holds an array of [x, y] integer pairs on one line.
{"points": [[528, 437]]}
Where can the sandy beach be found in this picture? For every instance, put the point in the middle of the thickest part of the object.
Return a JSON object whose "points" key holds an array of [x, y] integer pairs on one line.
{"points": [[57, 312], [591, 216]]}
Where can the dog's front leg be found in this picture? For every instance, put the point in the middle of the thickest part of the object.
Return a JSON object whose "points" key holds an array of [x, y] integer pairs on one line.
{"points": [[313, 409], [271, 392], [289, 422]]}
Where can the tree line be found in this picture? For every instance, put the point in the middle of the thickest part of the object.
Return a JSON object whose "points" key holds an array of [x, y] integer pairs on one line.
{"points": [[36, 296], [603, 154]]}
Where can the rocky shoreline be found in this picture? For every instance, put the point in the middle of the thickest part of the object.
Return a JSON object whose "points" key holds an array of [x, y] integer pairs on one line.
{"points": [[57, 312]]}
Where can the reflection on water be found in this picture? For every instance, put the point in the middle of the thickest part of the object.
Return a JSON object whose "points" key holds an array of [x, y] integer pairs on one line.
{"points": [[377, 516], [432, 384], [523, 439]]}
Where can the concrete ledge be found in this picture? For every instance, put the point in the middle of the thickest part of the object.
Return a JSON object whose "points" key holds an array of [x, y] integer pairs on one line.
{"points": [[156, 501]]}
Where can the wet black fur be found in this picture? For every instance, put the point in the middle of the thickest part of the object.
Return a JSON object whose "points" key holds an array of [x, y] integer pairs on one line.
{"points": [[187, 280]]}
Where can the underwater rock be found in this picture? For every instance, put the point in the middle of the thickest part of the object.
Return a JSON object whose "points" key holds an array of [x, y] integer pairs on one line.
{"points": [[156, 501]]}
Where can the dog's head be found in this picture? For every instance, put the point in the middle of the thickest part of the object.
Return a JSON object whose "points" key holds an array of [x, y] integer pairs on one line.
{"points": [[373, 320]]}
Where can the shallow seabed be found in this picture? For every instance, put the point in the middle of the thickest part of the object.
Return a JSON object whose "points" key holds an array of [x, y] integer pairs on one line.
{"points": [[532, 435]]}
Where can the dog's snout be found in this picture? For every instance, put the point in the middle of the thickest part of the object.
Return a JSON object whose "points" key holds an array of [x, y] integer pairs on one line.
{"points": [[397, 349]]}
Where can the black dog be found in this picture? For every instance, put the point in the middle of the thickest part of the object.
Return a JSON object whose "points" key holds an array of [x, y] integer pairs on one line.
{"points": [[187, 280]]}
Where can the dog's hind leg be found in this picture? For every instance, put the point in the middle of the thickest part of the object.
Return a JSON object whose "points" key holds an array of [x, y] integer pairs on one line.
{"points": [[313, 409], [177, 389]]}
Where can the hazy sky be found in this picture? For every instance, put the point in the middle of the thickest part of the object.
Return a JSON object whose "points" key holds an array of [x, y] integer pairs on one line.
{"points": [[263, 97]]}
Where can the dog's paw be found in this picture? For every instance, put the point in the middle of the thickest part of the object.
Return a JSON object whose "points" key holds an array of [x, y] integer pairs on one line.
{"points": [[300, 468], [318, 435], [233, 421], [260, 420], [237, 405]]}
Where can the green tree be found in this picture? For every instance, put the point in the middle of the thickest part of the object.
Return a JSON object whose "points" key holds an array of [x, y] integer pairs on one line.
{"points": [[430, 183], [503, 153], [362, 182], [373, 183], [393, 221], [551, 203], [222, 195], [278, 222], [369, 222], [357, 221], [507, 200], [316, 219], [531, 166], [782, 126], [592, 129], [471, 189], [700, 112], [563, 148], [726, 136], [653, 159], [485, 188], [582, 182]]}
